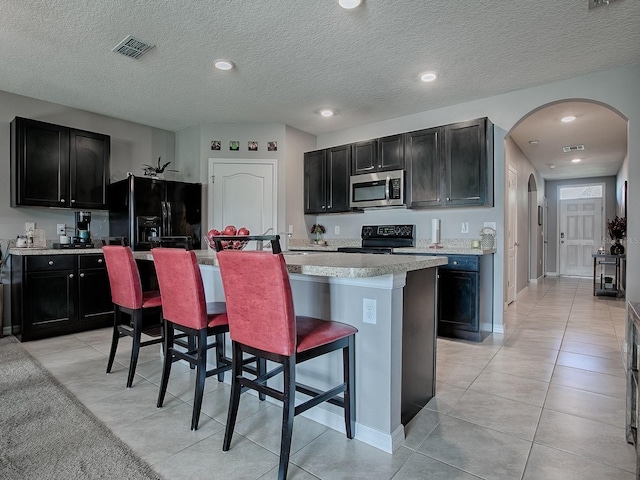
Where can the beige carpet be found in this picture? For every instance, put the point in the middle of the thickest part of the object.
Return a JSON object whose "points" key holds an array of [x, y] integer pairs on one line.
{"points": [[46, 433]]}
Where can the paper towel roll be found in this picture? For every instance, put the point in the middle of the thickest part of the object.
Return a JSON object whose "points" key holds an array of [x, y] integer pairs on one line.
{"points": [[435, 231]]}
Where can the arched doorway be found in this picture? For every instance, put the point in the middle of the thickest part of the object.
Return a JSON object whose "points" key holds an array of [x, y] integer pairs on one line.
{"points": [[541, 148]]}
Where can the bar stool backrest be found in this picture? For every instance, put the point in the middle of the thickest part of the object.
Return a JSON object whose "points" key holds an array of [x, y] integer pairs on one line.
{"points": [[259, 300], [124, 278], [181, 287]]}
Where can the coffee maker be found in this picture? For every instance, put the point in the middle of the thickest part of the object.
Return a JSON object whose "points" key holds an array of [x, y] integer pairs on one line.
{"points": [[82, 235]]}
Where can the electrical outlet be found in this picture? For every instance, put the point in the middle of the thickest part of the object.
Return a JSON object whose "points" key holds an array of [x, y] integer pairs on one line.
{"points": [[290, 229], [61, 229], [369, 310], [465, 227], [336, 230], [29, 226]]}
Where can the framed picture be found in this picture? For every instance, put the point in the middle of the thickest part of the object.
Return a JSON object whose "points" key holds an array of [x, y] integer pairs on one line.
{"points": [[272, 146], [253, 146], [539, 215], [234, 145], [215, 144]]}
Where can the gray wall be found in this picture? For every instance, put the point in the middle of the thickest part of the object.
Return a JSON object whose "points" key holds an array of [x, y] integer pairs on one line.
{"points": [[551, 192], [132, 145]]}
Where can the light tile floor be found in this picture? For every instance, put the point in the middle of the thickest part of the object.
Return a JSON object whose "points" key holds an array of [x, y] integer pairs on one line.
{"points": [[544, 400]]}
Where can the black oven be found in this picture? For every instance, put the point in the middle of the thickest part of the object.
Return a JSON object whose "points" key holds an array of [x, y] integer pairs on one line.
{"points": [[382, 239]]}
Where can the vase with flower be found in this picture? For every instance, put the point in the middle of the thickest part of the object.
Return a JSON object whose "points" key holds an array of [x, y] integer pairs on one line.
{"points": [[617, 230], [318, 230]]}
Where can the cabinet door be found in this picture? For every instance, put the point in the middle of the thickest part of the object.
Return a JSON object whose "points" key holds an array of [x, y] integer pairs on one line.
{"points": [[88, 169], [457, 301], [364, 157], [39, 164], [466, 163], [338, 170], [391, 153], [314, 182], [95, 308], [424, 177], [48, 303]]}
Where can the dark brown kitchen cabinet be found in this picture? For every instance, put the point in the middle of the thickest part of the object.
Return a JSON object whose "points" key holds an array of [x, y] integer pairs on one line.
{"points": [[450, 166], [465, 303], [326, 180], [56, 166], [378, 155], [59, 294]]}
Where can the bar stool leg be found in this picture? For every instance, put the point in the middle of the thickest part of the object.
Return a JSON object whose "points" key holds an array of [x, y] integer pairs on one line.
{"points": [[168, 360], [236, 390], [115, 337], [135, 349], [201, 375], [220, 354], [348, 358], [288, 412]]}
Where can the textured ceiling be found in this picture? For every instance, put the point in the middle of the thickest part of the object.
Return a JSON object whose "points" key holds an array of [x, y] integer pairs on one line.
{"points": [[296, 57]]}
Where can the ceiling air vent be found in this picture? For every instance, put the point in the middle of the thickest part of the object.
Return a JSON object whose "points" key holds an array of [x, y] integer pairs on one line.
{"points": [[573, 148], [132, 47], [598, 3]]}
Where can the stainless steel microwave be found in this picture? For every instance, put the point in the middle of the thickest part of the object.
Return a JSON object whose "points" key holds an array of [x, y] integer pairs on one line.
{"points": [[380, 189]]}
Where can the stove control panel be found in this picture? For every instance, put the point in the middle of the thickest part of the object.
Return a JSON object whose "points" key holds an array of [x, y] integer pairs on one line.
{"points": [[388, 235]]}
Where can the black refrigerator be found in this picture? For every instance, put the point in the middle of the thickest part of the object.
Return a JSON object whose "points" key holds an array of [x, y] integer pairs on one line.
{"points": [[141, 208]]}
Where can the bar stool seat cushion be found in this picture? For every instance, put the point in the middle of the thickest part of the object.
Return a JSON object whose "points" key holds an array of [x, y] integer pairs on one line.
{"points": [[313, 332]]}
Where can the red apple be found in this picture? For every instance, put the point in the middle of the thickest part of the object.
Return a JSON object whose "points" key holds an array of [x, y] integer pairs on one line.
{"points": [[213, 233], [224, 244], [229, 230], [237, 244], [243, 231]]}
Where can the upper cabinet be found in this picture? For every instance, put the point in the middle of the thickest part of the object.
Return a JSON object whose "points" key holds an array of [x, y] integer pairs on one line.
{"points": [[378, 155], [326, 180], [450, 166], [56, 166]]}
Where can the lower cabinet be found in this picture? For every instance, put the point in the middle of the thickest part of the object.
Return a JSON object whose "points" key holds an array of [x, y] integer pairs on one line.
{"points": [[59, 294], [465, 297]]}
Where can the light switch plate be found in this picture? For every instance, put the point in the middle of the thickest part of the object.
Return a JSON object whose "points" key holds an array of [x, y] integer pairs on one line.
{"points": [[465, 227], [336, 230]]}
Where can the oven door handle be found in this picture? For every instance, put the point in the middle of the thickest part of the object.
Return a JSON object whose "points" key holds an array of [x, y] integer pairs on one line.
{"points": [[386, 188]]}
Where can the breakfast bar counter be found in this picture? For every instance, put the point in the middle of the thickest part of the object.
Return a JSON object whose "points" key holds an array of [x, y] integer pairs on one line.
{"points": [[391, 300]]}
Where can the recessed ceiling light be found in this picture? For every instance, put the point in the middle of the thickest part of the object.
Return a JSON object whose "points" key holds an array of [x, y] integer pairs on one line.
{"points": [[533, 142], [428, 77], [552, 166], [576, 160], [349, 4], [222, 64], [568, 119], [326, 113]]}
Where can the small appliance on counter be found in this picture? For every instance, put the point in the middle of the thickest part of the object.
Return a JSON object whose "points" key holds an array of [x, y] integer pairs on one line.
{"points": [[383, 238], [82, 235]]}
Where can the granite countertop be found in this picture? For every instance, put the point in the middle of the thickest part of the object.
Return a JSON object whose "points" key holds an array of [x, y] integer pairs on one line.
{"points": [[445, 250], [332, 264], [53, 251]]}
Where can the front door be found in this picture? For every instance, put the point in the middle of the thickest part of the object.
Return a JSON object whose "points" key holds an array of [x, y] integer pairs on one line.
{"points": [[580, 235], [243, 193]]}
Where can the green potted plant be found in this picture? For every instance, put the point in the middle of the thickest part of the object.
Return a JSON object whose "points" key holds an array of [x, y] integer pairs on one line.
{"points": [[617, 230], [156, 171], [318, 230]]}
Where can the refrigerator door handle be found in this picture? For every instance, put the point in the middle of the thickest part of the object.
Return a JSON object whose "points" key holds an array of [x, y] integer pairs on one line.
{"points": [[163, 228], [169, 222]]}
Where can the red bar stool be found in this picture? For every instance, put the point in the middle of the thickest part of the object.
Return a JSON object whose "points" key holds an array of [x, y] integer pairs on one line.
{"points": [[262, 322], [127, 296], [184, 308]]}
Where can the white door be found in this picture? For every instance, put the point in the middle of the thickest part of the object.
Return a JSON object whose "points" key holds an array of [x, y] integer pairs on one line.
{"points": [[580, 234], [243, 193], [512, 196]]}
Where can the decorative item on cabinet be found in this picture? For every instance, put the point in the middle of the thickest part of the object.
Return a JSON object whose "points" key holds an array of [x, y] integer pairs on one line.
{"points": [[158, 170], [487, 237], [617, 230], [318, 230]]}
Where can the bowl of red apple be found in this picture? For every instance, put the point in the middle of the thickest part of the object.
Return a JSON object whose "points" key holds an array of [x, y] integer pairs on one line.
{"points": [[233, 243]]}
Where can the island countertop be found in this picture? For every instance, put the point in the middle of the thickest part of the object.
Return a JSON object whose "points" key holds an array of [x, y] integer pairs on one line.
{"points": [[332, 264]]}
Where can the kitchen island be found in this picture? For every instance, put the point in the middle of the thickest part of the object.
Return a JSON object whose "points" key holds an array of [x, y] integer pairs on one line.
{"points": [[395, 343]]}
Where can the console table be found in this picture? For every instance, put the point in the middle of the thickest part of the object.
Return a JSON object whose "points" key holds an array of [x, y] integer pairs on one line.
{"points": [[608, 273]]}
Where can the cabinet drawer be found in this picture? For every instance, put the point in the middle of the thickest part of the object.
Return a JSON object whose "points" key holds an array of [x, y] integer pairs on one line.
{"points": [[50, 262], [91, 261], [462, 262]]}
